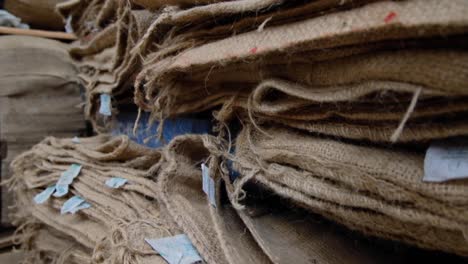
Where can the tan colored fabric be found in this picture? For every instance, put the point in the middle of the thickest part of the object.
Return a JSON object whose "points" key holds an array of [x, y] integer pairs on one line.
{"points": [[115, 226], [209, 75], [155, 4], [37, 13], [39, 96], [376, 191], [218, 234]]}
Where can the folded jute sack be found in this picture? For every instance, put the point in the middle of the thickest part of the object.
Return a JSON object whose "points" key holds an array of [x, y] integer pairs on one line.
{"points": [[218, 233], [155, 4], [103, 51], [183, 27], [114, 228], [37, 13], [379, 192], [406, 95], [39, 96], [46, 245], [281, 44]]}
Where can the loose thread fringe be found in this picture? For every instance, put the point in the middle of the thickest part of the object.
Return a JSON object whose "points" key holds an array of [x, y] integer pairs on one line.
{"points": [[396, 135]]}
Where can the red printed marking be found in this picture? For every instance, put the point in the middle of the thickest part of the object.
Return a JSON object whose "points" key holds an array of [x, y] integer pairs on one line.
{"points": [[254, 50], [390, 17]]}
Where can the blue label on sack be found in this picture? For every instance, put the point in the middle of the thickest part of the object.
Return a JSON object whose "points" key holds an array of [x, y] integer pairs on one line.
{"points": [[445, 161], [60, 190], [71, 204], [176, 250], [71, 173], [84, 205], [105, 108], [116, 182], [206, 176], [76, 140], [44, 195], [208, 185]]}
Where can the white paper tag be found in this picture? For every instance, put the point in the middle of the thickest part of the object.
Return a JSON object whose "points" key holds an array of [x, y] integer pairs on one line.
{"points": [[84, 205], [206, 176], [76, 140], [116, 182], [68, 26], [209, 186], [105, 107], [67, 177], [176, 250], [60, 190], [446, 161], [71, 204], [44, 195]]}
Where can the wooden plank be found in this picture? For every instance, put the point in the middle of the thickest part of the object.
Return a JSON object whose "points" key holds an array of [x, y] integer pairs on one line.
{"points": [[37, 33]]}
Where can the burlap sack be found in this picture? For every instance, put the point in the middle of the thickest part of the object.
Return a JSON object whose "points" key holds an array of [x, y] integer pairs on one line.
{"points": [[378, 192], [104, 58], [115, 227], [155, 4], [39, 96], [37, 13], [178, 29], [49, 246], [161, 81], [217, 233]]}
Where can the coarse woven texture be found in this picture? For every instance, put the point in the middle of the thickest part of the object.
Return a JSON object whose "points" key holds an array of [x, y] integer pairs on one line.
{"points": [[217, 233], [155, 4], [39, 96], [37, 13], [46, 245], [237, 57], [103, 52], [119, 220], [362, 96], [376, 191], [178, 29]]}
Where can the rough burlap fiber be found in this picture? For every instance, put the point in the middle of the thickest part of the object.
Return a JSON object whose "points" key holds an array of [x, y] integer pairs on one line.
{"points": [[37, 13], [376, 191], [39, 96], [362, 96], [115, 226], [202, 77], [217, 233], [103, 51], [178, 29], [156, 4]]}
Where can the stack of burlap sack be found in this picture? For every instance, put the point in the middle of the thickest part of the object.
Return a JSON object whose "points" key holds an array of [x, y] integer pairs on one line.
{"points": [[39, 96], [321, 95], [321, 89], [107, 31], [162, 197]]}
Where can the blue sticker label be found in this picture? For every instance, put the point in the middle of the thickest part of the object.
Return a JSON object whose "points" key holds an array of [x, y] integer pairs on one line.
{"points": [[71, 173], [60, 190], [116, 182], [176, 250], [209, 186], [212, 192], [44, 195], [446, 161], [105, 108], [206, 176], [71, 204], [80, 207]]}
